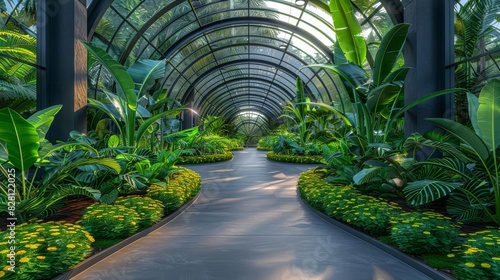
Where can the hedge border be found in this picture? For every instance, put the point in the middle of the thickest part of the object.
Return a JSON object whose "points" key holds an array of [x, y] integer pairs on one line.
{"points": [[205, 158], [294, 158]]}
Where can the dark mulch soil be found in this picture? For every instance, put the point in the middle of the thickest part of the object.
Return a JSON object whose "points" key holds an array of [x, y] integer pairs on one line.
{"points": [[72, 212]]}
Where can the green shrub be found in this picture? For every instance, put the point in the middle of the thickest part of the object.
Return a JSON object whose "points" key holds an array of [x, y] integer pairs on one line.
{"points": [[171, 197], [423, 232], [150, 210], [110, 221], [347, 204], [184, 185], [478, 256], [294, 158], [43, 251], [206, 158]]}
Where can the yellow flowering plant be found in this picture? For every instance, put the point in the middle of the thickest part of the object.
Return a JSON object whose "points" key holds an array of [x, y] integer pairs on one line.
{"points": [[43, 250], [184, 185], [424, 232], [150, 210], [106, 221], [479, 255], [347, 204]]}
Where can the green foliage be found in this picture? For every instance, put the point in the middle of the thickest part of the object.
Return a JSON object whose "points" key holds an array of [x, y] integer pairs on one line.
{"points": [[110, 221], [348, 31], [476, 33], [124, 106], [475, 161], [190, 159], [306, 159], [43, 251], [214, 125], [478, 255], [17, 77], [181, 188], [150, 211], [423, 232], [23, 148], [267, 142]]}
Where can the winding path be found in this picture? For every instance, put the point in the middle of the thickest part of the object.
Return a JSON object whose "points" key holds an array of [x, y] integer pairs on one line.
{"points": [[249, 223]]}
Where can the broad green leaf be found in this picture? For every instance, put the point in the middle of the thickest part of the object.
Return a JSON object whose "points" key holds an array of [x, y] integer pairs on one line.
{"points": [[414, 103], [144, 126], [338, 54], [488, 113], [145, 72], [124, 82], [397, 75], [4, 156], [463, 204], [21, 138], [473, 103], [343, 116], [389, 52], [465, 135], [381, 96], [425, 191], [367, 175], [42, 120], [354, 75], [348, 31]]}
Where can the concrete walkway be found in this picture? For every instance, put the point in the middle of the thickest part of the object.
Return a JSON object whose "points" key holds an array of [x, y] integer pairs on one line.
{"points": [[249, 223]]}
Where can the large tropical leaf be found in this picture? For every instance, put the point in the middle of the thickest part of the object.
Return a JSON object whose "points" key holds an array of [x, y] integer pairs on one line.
{"points": [[124, 82], [351, 74], [425, 191], [367, 175], [42, 119], [468, 202], [21, 138], [466, 135], [338, 54], [398, 75], [473, 103], [389, 52], [348, 31], [145, 72], [488, 113], [381, 96], [144, 126]]}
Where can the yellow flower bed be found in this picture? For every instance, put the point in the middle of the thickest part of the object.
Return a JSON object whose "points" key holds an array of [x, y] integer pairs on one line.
{"points": [[36, 253]]}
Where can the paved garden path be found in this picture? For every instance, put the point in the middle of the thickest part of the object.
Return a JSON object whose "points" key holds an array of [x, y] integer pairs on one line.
{"points": [[249, 223]]}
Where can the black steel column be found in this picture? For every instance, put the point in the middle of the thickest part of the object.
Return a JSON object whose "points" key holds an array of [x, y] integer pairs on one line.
{"points": [[428, 50], [61, 26]]}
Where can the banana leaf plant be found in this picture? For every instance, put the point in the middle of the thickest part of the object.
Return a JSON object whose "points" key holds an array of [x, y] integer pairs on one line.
{"points": [[25, 153], [124, 108]]}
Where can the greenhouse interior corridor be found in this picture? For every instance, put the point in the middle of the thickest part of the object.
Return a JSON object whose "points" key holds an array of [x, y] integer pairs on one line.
{"points": [[250, 139], [249, 223]]}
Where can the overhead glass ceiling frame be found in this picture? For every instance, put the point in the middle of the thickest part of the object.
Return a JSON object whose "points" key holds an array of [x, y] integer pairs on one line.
{"points": [[184, 82]]}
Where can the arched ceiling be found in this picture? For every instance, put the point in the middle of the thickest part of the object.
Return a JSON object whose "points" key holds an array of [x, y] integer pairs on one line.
{"points": [[238, 59]]}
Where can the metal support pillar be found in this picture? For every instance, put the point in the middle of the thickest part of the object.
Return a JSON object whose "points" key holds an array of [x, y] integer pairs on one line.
{"points": [[61, 26], [429, 49]]}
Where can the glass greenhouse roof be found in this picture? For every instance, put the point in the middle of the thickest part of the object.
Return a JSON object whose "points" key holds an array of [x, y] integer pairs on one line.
{"points": [[225, 57], [236, 59]]}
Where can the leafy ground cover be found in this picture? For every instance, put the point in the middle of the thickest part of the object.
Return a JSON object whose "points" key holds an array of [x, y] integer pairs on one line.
{"points": [[427, 235]]}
